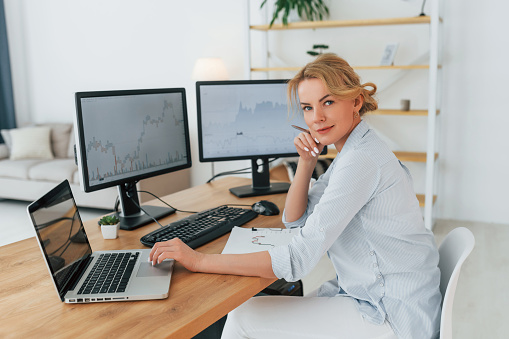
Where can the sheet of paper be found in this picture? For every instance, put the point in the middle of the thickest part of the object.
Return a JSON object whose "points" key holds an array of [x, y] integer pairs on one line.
{"points": [[249, 240]]}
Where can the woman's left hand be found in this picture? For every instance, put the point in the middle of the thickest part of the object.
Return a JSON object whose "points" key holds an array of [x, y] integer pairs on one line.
{"points": [[178, 250]]}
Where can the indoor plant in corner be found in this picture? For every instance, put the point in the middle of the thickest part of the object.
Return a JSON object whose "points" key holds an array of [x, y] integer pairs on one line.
{"points": [[110, 225], [309, 10]]}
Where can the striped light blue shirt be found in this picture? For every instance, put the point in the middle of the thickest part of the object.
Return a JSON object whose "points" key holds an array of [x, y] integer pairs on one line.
{"points": [[364, 213]]}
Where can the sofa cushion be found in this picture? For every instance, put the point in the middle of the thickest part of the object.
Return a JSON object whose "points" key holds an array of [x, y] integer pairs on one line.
{"points": [[59, 139], [31, 143], [55, 170], [18, 168], [7, 138], [4, 151]]}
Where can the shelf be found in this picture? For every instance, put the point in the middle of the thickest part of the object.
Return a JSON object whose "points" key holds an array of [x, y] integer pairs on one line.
{"points": [[413, 112], [296, 69], [431, 67], [402, 156], [422, 198], [345, 23], [412, 156]]}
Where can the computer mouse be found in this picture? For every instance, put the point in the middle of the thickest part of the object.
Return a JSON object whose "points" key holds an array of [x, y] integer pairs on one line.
{"points": [[265, 207]]}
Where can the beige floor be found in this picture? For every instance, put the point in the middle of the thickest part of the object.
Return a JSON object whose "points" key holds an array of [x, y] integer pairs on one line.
{"points": [[481, 299], [480, 302]]}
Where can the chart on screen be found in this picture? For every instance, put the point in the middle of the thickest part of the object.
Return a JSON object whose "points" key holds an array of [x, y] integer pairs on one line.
{"points": [[248, 119], [149, 139]]}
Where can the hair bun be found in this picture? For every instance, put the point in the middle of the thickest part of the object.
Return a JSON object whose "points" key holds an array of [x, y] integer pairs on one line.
{"points": [[370, 103]]}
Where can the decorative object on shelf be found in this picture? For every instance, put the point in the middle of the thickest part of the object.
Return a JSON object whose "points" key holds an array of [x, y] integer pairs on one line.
{"points": [[320, 50], [405, 104], [422, 8], [309, 10], [110, 225], [389, 54]]}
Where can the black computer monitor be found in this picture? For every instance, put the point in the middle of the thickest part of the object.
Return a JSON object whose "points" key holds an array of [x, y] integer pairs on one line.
{"points": [[128, 135], [247, 119]]}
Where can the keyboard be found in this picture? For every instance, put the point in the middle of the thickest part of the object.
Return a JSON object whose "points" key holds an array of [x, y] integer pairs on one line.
{"points": [[201, 228], [110, 273]]}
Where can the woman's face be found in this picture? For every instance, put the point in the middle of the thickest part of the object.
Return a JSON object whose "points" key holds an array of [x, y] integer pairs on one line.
{"points": [[329, 119]]}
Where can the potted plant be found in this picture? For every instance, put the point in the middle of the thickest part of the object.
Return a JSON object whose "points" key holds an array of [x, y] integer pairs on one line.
{"points": [[309, 10], [110, 224]]}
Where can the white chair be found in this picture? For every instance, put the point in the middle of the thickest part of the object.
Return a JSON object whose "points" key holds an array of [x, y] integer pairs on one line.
{"points": [[453, 251]]}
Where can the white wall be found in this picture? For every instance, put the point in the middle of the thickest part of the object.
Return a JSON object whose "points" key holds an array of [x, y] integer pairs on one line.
{"points": [[59, 47]]}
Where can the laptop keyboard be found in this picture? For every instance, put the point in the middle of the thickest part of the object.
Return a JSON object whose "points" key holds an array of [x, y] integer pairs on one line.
{"points": [[110, 273]]}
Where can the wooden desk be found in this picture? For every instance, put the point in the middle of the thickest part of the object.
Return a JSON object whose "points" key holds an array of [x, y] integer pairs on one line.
{"points": [[30, 306]]}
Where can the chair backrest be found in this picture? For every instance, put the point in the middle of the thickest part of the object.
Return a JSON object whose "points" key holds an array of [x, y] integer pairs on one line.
{"points": [[453, 251]]}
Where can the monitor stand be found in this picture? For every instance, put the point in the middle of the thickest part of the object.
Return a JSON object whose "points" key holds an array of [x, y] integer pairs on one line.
{"points": [[131, 216], [261, 181]]}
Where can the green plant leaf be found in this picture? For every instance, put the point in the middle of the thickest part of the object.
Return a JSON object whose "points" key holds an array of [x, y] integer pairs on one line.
{"points": [[309, 10], [109, 220]]}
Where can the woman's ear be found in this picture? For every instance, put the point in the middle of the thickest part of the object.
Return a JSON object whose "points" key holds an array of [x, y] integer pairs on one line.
{"points": [[357, 103]]}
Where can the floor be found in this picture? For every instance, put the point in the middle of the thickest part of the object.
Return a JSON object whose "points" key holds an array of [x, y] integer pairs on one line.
{"points": [[479, 307]]}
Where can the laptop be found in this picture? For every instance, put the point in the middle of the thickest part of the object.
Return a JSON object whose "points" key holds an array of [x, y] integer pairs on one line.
{"points": [[83, 276]]}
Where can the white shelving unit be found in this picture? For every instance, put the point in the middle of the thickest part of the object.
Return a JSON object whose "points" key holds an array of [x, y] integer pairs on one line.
{"points": [[430, 157]]}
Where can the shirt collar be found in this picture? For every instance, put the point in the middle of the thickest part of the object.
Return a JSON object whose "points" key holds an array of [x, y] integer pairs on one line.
{"points": [[355, 137]]}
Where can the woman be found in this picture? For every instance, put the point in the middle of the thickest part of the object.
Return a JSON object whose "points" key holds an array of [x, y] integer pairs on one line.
{"points": [[363, 212]]}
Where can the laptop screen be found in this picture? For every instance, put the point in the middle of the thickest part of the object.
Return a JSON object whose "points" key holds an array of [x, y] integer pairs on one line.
{"points": [[61, 234]]}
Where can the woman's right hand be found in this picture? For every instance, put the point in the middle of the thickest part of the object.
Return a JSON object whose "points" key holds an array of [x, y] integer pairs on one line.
{"points": [[308, 147]]}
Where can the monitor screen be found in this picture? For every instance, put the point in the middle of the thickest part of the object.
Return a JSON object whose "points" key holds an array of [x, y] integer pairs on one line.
{"points": [[125, 136], [247, 119]]}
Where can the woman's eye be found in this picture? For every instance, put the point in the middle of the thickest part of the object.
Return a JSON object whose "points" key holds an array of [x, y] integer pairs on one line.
{"points": [[306, 108], [328, 102]]}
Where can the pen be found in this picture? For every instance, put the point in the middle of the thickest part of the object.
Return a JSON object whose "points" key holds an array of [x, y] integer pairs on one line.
{"points": [[301, 129]]}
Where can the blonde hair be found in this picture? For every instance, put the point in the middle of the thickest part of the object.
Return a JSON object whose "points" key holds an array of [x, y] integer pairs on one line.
{"points": [[339, 78]]}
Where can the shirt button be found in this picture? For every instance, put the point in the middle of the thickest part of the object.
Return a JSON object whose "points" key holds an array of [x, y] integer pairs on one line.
{"points": [[321, 229], [371, 253], [375, 265], [381, 284], [379, 276]]}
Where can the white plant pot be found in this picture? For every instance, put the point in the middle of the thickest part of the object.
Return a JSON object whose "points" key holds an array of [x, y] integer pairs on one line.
{"points": [[110, 231]]}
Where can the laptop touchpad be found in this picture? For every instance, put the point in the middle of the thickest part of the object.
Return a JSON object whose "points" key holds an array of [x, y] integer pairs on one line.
{"points": [[147, 270]]}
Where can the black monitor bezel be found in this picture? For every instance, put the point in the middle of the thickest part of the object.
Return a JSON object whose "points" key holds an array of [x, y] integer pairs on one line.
{"points": [[81, 144], [199, 120]]}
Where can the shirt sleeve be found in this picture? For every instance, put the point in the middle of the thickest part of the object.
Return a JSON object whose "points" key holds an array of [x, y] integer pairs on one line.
{"points": [[314, 195], [352, 184]]}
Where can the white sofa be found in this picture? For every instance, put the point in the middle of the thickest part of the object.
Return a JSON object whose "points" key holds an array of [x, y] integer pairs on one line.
{"points": [[28, 171]]}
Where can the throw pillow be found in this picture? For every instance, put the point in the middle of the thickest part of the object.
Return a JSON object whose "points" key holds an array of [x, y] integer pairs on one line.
{"points": [[31, 143], [59, 138], [4, 151], [6, 135]]}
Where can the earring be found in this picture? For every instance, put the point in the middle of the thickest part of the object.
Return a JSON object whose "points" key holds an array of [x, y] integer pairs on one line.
{"points": [[356, 115]]}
